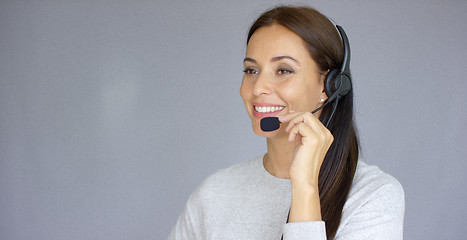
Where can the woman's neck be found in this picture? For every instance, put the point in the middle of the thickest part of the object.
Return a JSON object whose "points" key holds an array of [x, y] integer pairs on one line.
{"points": [[279, 157]]}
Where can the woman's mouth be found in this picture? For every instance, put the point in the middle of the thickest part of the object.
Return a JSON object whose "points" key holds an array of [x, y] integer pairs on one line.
{"points": [[266, 110]]}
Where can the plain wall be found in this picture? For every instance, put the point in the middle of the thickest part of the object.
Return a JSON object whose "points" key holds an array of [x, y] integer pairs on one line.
{"points": [[113, 112]]}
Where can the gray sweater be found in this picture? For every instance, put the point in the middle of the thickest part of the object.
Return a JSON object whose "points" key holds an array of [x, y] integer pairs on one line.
{"points": [[246, 202]]}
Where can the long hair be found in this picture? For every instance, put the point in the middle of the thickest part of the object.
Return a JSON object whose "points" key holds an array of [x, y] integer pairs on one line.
{"points": [[325, 47]]}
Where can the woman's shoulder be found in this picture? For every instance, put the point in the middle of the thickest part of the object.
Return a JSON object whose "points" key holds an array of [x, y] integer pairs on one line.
{"points": [[370, 178]]}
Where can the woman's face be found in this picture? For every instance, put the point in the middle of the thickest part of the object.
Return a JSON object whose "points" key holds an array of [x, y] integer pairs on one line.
{"points": [[280, 77]]}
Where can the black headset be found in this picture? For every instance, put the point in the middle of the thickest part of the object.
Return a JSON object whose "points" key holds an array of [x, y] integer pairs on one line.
{"points": [[340, 77], [338, 82]]}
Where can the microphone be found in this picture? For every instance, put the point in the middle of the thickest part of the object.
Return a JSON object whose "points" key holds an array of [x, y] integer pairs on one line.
{"points": [[269, 124]]}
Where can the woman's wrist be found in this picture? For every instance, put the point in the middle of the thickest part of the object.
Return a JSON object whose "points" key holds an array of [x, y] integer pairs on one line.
{"points": [[305, 204], [304, 182]]}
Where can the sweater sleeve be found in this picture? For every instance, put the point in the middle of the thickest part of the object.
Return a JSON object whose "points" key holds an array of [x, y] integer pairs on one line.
{"points": [[315, 230], [188, 224], [184, 228]]}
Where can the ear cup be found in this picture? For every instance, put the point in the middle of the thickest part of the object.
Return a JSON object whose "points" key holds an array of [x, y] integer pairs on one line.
{"points": [[343, 85], [336, 84]]}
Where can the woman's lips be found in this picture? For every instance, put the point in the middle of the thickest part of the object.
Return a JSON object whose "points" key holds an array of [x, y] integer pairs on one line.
{"points": [[262, 110]]}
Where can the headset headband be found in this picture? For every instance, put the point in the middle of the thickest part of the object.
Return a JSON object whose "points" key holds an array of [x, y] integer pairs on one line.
{"points": [[346, 62]]}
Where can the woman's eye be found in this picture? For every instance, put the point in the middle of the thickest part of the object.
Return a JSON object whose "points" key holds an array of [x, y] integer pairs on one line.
{"points": [[284, 71], [250, 71]]}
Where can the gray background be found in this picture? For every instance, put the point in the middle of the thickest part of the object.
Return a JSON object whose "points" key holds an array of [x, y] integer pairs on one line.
{"points": [[112, 112]]}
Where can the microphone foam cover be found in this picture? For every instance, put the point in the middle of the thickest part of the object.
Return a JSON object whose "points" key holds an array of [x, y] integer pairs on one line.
{"points": [[269, 124]]}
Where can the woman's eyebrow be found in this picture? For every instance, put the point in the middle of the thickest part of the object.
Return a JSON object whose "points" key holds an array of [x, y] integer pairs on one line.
{"points": [[249, 60], [275, 59]]}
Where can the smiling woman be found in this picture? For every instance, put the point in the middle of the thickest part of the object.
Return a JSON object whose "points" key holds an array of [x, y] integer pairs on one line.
{"points": [[278, 62], [310, 184]]}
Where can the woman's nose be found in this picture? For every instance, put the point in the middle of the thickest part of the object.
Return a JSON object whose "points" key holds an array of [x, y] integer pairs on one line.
{"points": [[262, 86]]}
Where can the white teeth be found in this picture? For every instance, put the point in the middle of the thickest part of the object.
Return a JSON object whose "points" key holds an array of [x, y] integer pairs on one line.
{"points": [[268, 109]]}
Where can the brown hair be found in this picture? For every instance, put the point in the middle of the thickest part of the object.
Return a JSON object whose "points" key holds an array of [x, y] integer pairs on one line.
{"points": [[326, 49]]}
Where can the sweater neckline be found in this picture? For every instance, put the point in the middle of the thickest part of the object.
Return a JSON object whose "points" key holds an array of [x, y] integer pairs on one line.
{"points": [[268, 176]]}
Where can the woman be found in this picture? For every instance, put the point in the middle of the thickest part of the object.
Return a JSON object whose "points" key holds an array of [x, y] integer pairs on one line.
{"points": [[308, 185]]}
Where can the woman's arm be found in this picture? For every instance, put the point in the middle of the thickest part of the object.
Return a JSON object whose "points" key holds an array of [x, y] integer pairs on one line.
{"points": [[312, 141]]}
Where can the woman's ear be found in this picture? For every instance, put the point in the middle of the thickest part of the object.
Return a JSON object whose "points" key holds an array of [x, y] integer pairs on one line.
{"points": [[322, 77]]}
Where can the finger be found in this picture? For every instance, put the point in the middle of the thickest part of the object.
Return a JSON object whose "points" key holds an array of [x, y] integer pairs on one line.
{"points": [[301, 130], [303, 134], [317, 131], [298, 118], [313, 121], [289, 116], [307, 118]]}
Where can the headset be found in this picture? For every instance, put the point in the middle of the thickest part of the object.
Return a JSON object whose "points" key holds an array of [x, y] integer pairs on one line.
{"points": [[338, 82], [341, 78]]}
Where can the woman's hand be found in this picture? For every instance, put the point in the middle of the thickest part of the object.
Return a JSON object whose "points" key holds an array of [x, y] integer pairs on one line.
{"points": [[312, 141]]}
